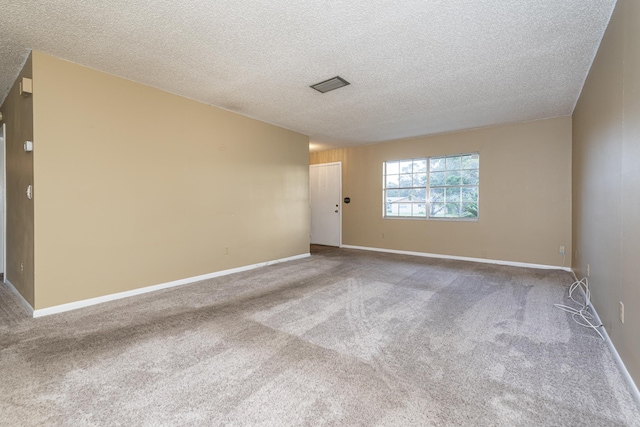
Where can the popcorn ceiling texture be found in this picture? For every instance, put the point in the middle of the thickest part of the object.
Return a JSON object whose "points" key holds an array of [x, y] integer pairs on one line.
{"points": [[416, 67]]}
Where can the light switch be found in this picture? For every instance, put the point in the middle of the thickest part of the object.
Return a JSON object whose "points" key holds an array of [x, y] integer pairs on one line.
{"points": [[28, 146]]}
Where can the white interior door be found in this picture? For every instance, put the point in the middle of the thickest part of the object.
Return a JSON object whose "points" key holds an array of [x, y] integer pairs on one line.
{"points": [[325, 193]]}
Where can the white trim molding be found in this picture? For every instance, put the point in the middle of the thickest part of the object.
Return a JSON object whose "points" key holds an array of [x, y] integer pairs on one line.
{"points": [[616, 356], [23, 301], [614, 352], [460, 258], [111, 297], [623, 369]]}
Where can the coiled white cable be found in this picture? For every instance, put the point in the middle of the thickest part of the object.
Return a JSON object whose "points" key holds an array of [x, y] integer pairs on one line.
{"points": [[581, 315]]}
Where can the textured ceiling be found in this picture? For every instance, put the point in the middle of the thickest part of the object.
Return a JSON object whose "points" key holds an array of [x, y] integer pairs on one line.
{"points": [[416, 67]]}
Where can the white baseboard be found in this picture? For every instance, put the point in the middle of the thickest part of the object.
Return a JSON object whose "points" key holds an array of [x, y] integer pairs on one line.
{"points": [[623, 369], [98, 300], [616, 356], [461, 258], [23, 301]]}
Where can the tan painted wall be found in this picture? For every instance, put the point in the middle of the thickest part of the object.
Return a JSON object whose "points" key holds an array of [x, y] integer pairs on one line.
{"points": [[606, 193], [525, 188], [137, 187], [18, 116]]}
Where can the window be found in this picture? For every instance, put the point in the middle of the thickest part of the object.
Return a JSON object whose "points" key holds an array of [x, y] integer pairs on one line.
{"points": [[406, 188], [434, 187]]}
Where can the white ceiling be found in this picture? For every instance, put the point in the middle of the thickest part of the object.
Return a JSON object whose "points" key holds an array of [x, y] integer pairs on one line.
{"points": [[416, 67]]}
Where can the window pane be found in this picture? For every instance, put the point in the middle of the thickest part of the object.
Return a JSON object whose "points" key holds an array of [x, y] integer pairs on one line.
{"points": [[420, 165], [419, 179], [392, 181], [404, 209], [436, 164], [470, 177], [392, 194], [436, 179], [419, 195], [470, 194], [466, 160], [453, 163], [437, 209], [406, 166], [437, 195], [392, 168], [405, 181], [419, 209], [470, 161], [453, 209], [453, 178], [404, 193], [452, 195], [470, 210], [392, 209]]}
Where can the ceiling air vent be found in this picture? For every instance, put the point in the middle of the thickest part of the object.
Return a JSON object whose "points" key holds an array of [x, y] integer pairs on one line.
{"points": [[331, 84]]}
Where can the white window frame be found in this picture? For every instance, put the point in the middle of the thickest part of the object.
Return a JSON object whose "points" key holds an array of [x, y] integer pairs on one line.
{"points": [[428, 189]]}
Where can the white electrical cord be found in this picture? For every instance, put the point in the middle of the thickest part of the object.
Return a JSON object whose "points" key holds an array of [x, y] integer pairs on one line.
{"points": [[581, 315]]}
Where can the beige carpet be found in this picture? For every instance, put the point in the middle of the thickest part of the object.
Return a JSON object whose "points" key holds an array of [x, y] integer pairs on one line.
{"points": [[342, 338]]}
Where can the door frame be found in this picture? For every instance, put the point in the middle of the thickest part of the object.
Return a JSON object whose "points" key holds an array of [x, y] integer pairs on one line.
{"points": [[3, 134], [340, 203]]}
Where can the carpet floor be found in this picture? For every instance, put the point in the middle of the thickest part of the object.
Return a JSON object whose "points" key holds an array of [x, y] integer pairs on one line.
{"points": [[344, 337]]}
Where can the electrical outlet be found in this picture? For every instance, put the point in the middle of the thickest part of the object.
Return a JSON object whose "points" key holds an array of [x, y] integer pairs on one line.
{"points": [[588, 270], [383, 235], [21, 267], [226, 250], [621, 312], [561, 251]]}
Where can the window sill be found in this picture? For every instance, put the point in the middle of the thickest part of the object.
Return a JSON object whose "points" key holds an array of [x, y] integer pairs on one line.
{"points": [[415, 218]]}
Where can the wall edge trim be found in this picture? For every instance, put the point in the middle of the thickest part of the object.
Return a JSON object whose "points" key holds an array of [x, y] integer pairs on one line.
{"points": [[17, 293], [616, 356], [120, 295], [460, 258]]}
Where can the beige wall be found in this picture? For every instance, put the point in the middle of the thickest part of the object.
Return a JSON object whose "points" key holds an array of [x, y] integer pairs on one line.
{"points": [[17, 113], [136, 186], [525, 187], [606, 193]]}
